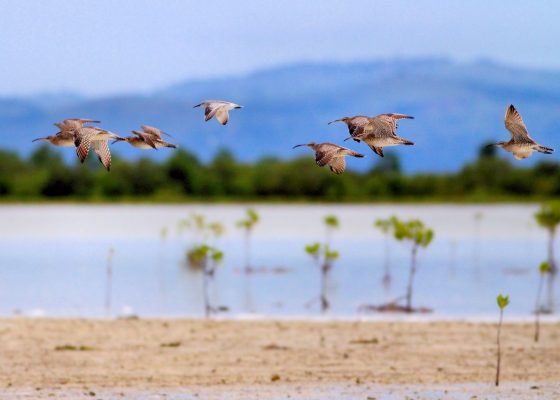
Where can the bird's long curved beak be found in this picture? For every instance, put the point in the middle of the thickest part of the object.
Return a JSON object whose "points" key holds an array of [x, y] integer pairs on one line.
{"points": [[348, 138], [198, 105], [238, 106], [490, 145], [41, 138], [118, 139], [299, 145], [336, 120]]}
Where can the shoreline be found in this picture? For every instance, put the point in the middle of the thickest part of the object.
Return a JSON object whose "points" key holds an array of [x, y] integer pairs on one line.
{"points": [[421, 318]]}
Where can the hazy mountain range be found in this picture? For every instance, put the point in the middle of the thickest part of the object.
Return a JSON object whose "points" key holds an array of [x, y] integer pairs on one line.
{"points": [[457, 108]]}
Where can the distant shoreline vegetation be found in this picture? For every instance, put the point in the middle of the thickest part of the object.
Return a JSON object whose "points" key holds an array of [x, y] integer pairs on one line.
{"points": [[45, 177]]}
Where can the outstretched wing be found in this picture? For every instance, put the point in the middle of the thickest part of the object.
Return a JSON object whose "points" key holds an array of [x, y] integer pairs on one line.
{"points": [[101, 148], [83, 140], [515, 125], [323, 157], [150, 130], [396, 116], [222, 115], [337, 165], [377, 150], [211, 109]]}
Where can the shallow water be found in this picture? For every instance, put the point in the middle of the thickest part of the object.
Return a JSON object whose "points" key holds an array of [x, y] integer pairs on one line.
{"points": [[53, 260]]}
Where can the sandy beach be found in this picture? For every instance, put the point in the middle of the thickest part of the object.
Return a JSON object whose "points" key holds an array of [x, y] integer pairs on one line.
{"points": [[46, 357]]}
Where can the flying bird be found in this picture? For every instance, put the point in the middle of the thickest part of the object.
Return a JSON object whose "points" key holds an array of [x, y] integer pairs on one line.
{"points": [[67, 128], [88, 137], [149, 138], [218, 109], [521, 145], [377, 132], [331, 154], [355, 124]]}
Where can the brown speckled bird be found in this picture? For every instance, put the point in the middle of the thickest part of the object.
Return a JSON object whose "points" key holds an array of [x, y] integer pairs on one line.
{"points": [[521, 145], [377, 132], [331, 154], [149, 138], [67, 129]]}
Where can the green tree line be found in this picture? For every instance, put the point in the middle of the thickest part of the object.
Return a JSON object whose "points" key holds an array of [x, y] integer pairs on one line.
{"points": [[44, 175]]}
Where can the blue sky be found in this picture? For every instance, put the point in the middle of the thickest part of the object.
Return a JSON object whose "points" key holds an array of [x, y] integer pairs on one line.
{"points": [[105, 46]]}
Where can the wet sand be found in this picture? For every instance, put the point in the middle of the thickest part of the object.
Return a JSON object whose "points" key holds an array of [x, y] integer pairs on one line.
{"points": [[272, 359]]}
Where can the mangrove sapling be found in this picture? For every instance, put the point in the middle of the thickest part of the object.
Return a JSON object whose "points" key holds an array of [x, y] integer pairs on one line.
{"points": [[109, 285], [419, 236], [543, 270], [502, 301], [549, 217], [202, 234], [208, 258], [247, 225], [331, 223], [385, 226], [324, 258]]}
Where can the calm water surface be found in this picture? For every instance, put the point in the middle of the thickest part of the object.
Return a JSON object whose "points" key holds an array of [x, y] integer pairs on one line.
{"points": [[53, 260]]}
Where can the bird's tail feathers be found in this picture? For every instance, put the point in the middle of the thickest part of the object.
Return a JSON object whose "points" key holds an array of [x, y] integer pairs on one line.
{"points": [[545, 150], [406, 142]]}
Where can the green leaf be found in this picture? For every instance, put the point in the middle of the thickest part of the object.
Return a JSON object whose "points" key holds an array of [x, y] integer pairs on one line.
{"points": [[313, 249], [217, 255], [549, 215], [544, 267], [331, 221], [502, 301], [331, 254]]}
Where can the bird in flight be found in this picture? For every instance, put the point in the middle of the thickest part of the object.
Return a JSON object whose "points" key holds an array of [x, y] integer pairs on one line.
{"points": [[377, 132], [331, 154], [149, 138], [67, 128], [521, 145], [88, 137], [217, 108]]}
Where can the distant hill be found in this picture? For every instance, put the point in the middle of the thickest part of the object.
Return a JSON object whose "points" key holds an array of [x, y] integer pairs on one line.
{"points": [[457, 108]]}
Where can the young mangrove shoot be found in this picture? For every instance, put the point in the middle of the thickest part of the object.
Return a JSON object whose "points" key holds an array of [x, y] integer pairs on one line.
{"points": [[247, 224], [544, 268], [419, 236], [324, 258], [208, 258], [502, 301]]}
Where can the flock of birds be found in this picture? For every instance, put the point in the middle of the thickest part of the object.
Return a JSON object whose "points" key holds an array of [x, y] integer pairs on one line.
{"points": [[377, 132]]}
